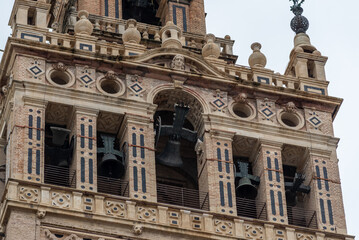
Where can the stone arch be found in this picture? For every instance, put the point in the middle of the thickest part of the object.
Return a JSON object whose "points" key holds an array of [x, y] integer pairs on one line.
{"points": [[165, 96]]}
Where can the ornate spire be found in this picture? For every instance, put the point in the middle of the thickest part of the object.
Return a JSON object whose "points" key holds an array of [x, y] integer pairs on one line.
{"points": [[299, 23]]}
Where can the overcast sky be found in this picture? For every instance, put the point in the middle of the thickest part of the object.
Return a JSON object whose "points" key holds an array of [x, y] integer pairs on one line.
{"points": [[333, 31]]}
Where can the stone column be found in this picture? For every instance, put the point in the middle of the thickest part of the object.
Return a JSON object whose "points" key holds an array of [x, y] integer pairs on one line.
{"points": [[138, 134], [85, 151], [325, 196], [268, 166], [25, 148], [216, 172], [22, 15], [320, 70], [301, 67], [41, 17]]}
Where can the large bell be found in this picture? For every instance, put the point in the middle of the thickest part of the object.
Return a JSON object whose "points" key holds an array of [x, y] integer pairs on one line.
{"points": [[110, 167], [171, 154], [59, 135], [246, 189]]}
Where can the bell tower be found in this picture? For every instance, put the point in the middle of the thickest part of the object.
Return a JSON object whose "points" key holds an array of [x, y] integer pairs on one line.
{"points": [[124, 119]]}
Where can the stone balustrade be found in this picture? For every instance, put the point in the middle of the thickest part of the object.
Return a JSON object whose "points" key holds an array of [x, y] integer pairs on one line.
{"points": [[45, 198]]}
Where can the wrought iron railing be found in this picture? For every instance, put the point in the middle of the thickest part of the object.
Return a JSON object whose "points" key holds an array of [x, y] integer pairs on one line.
{"points": [[302, 217], [251, 208], [112, 186], [182, 196], [60, 176]]}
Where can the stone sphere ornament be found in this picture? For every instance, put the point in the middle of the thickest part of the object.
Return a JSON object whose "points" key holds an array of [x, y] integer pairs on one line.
{"points": [[83, 25], [211, 49], [131, 35], [257, 59]]}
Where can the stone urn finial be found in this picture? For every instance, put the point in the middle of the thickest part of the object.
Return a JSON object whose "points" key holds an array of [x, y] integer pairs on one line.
{"points": [[83, 25], [131, 35], [171, 36], [257, 59], [211, 49]]}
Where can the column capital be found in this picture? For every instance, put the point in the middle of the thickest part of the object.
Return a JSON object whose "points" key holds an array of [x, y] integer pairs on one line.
{"points": [[87, 111], [29, 101], [319, 152], [271, 144], [222, 134]]}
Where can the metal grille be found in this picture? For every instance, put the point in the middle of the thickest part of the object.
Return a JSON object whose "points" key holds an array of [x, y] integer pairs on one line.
{"points": [[112, 186], [302, 217], [182, 197], [251, 208], [60, 176]]}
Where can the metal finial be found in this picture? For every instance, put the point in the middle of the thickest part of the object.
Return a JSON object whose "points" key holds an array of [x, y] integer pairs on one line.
{"points": [[299, 23]]}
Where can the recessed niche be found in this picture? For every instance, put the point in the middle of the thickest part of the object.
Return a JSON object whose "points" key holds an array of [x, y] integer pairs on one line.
{"points": [[290, 119], [110, 86], [242, 110], [59, 77]]}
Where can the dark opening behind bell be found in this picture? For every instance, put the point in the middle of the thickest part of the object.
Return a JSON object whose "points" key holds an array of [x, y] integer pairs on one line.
{"points": [[111, 167]]}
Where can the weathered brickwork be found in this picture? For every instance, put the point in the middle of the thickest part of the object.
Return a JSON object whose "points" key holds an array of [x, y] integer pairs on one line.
{"points": [[118, 89]]}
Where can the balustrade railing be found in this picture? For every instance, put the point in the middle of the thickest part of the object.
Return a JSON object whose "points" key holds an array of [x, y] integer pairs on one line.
{"points": [[112, 186], [182, 197], [59, 176], [251, 208], [302, 217]]}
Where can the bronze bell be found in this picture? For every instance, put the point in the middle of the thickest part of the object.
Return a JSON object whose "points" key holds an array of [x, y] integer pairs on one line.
{"points": [[110, 166], [171, 155], [59, 135], [246, 189]]}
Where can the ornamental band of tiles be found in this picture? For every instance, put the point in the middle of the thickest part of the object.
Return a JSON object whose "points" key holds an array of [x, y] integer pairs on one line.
{"points": [[126, 120]]}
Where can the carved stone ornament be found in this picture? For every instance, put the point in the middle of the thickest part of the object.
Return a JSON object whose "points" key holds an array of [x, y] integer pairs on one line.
{"points": [[83, 26], [111, 75], [137, 229], [257, 59], [178, 63], [290, 107], [41, 214], [5, 90], [59, 67], [131, 35], [211, 49], [241, 98]]}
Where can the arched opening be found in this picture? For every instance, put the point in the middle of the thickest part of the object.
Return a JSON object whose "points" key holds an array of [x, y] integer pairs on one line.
{"points": [[142, 10], [177, 132]]}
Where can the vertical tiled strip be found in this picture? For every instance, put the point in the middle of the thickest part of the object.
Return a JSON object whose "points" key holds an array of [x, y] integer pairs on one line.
{"points": [[219, 157], [135, 179], [91, 171], [229, 190], [318, 176], [269, 166], [30, 126], [142, 143], [38, 130], [143, 176], [277, 168], [82, 169], [29, 161], [38, 159], [134, 142], [226, 155], [106, 8], [82, 136], [324, 220], [272, 199], [221, 192], [117, 9], [325, 175], [90, 137], [280, 200], [330, 212]]}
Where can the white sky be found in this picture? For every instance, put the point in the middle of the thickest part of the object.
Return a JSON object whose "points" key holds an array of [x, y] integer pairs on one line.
{"points": [[333, 31]]}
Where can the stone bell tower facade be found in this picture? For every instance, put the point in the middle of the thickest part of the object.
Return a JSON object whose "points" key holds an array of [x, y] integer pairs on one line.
{"points": [[125, 120]]}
